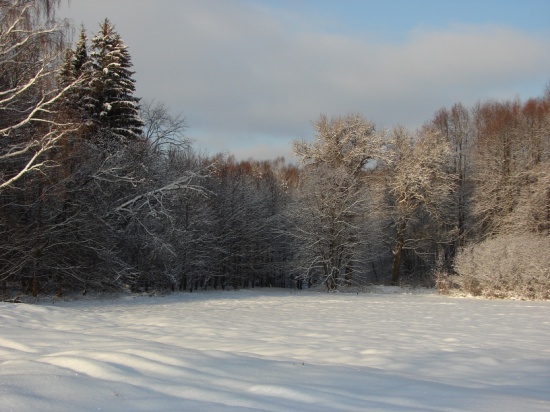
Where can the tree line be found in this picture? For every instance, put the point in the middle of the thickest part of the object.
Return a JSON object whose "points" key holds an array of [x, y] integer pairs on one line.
{"points": [[101, 191]]}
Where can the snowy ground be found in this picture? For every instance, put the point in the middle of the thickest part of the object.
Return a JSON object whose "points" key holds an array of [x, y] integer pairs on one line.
{"points": [[274, 350]]}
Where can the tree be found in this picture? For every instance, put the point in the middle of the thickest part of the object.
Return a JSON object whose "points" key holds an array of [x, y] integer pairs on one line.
{"points": [[31, 42], [153, 221], [330, 227], [348, 141], [115, 107], [78, 103], [101, 214], [503, 181], [45, 221], [420, 190], [510, 164], [330, 213], [496, 164], [162, 130], [159, 210], [456, 126], [532, 210], [507, 266]]}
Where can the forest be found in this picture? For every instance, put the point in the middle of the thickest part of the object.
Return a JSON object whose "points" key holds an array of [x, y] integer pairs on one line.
{"points": [[102, 191]]}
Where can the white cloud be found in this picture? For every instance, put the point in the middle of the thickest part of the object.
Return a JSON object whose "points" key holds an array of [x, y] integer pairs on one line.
{"points": [[236, 70]]}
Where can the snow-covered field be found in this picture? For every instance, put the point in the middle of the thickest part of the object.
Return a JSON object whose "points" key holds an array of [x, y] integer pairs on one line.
{"points": [[276, 350]]}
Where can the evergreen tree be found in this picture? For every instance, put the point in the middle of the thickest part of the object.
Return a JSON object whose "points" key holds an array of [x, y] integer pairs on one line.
{"points": [[112, 86], [80, 56], [66, 72], [82, 67], [76, 67]]}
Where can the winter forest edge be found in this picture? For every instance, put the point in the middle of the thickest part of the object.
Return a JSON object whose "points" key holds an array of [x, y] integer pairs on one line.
{"points": [[100, 191]]}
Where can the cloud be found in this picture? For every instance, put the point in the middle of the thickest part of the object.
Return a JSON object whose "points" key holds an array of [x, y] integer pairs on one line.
{"points": [[256, 76]]}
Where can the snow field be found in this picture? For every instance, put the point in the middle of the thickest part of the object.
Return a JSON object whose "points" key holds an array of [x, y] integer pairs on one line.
{"points": [[274, 350]]}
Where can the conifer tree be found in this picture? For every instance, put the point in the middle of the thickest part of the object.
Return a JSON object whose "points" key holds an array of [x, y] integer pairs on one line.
{"points": [[77, 67], [112, 86], [80, 56], [82, 67], [66, 72]]}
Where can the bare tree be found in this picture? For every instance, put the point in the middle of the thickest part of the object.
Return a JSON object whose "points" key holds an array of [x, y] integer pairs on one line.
{"points": [[456, 126], [332, 204], [420, 190], [329, 222], [348, 141], [161, 129], [507, 200], [31, 125], [496, 166]]}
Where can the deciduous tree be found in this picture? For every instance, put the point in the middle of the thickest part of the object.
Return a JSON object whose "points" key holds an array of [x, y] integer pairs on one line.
{"points": [[31, 42], [331, 208], [420, 189]]}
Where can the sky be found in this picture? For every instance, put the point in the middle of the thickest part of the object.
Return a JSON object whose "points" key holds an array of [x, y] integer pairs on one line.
{"points": [[251, 76]]}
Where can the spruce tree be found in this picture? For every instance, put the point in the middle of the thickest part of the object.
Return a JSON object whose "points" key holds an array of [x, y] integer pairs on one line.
{"points": [[77, 65], [82, 67], [114, 105], [66, 72], [80, 55]]}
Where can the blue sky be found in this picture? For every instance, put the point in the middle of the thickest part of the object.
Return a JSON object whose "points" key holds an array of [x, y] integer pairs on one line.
{"points": [[394, 19], [250, 76]]}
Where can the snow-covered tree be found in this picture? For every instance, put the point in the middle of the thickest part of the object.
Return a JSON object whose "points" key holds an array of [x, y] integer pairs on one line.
{"points": [[347, 141], [456, 126], [77, 64], [31, 43], [81, 56], [507, 266], [34, 130], [329, 216], [328, 221], [112, 86], [420, 190]]}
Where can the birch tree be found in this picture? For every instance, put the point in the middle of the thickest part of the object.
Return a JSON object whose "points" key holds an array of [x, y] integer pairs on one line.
{"points": [[31, 44]]}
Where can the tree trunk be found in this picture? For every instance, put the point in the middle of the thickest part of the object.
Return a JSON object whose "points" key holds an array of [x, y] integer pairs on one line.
{"points": [[59, 289], [183, 282], [397, 255], [349, 272], [35, 286]]}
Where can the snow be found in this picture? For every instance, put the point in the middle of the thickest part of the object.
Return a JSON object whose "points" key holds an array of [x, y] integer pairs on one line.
{"points": [[276, 350]]}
